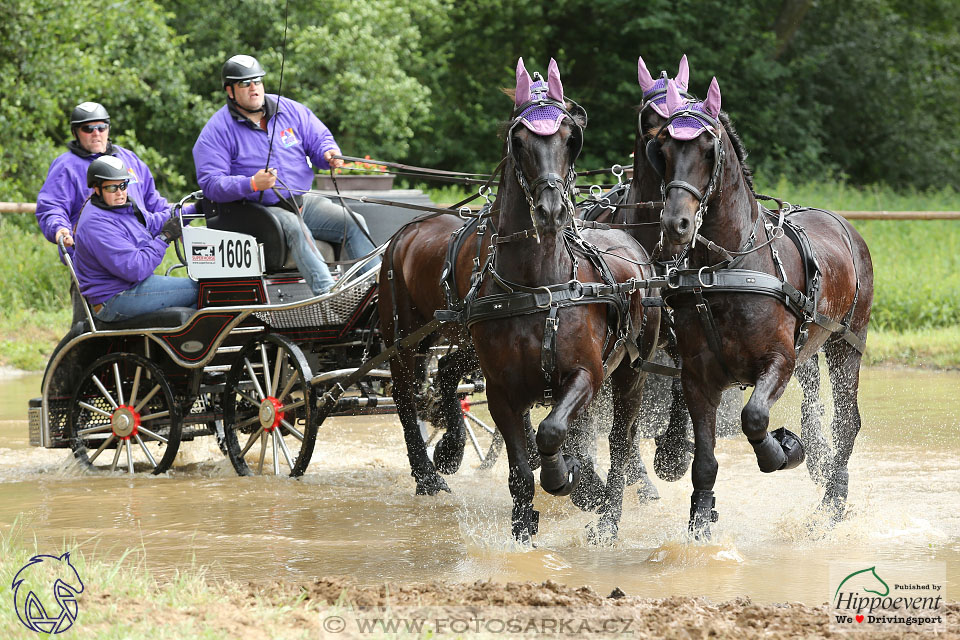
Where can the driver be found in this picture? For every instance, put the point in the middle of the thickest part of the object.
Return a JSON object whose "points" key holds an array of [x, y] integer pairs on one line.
{"points": [[235, 144], [119, 245]]}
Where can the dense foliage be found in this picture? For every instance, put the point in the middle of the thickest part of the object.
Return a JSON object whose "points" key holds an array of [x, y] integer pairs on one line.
{"points": [[865, 90]]}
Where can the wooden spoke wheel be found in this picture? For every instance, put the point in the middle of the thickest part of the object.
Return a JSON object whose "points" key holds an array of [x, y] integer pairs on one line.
{"points": [[269, 421], [123, 416]]}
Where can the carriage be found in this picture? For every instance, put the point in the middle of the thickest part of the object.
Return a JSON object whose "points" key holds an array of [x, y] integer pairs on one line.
{"points": [[259, 365]]}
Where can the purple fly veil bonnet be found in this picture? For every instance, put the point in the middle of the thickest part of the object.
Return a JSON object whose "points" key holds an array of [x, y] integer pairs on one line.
{"points": [[683, 127], [544, 118], [654, 91]]}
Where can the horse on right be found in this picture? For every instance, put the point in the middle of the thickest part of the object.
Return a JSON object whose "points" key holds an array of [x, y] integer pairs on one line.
{"points": [[755, 292]]}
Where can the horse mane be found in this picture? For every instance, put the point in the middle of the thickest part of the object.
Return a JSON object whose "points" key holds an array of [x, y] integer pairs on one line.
{"points": [[738, 149]]}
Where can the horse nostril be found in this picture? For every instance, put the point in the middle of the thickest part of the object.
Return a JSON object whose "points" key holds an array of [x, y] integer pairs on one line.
{"points": [[682, 225]]}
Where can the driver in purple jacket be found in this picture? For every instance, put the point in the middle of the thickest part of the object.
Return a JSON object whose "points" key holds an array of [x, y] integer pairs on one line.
{"points": [[232, 150], [119, 244], [65, 190]]}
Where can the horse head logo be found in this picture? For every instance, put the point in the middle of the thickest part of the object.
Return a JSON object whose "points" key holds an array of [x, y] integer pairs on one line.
{"points": [[865, 580], [43, 581]]}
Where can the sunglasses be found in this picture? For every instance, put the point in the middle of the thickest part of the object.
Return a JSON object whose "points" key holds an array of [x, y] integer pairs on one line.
{"points": [[90, 128], [247, 83], [113, 188]]}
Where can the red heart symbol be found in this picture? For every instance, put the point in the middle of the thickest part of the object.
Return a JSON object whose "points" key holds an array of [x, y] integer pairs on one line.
{"points": [[859, 618]]}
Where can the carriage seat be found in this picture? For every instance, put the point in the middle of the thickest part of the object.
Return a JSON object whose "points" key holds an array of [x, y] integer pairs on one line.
{"points": [[168, 318], [259, 221]]}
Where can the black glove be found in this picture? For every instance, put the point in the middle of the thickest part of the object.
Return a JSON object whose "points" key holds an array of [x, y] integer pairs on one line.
{"points": [[171, 230]]}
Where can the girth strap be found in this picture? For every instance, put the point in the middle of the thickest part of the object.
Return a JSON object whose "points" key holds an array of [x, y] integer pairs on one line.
{"points": [[756, 282]]}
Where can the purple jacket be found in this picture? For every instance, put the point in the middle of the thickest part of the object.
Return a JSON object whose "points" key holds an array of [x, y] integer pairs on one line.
{"points": [[114, 250], [231, 149], [65, 189]]}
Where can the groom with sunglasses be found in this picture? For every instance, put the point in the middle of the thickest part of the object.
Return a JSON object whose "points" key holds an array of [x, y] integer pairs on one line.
{"points": [[231, 155], [65, 190]]}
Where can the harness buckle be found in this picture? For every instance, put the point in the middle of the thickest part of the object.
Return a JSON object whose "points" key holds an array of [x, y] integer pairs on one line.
{"points": [[671, 272], [700, 278], [553, 322], [576, 284], [549, 301]]}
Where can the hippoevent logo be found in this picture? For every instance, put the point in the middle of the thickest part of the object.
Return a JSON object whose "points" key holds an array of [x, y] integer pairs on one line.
{"points": [[888, 598], [45, 594]]}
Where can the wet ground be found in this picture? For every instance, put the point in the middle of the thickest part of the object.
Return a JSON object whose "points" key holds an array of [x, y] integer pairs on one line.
{"points": [[354, 513]]}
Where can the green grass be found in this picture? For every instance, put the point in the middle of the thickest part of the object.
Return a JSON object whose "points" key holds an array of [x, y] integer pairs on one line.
{"points": [[123, 599], [929, 348]]}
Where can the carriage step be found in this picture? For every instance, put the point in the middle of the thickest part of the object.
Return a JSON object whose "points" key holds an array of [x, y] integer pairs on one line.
{"points": [[257, 329], [231, 349]]}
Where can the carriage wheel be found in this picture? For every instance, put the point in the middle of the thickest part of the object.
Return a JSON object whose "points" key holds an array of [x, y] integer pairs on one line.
{"points": [[269, 421], [483, 439], [124, 406]]}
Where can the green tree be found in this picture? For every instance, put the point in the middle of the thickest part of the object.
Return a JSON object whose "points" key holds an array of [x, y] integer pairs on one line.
{"points": [[58, 54]]}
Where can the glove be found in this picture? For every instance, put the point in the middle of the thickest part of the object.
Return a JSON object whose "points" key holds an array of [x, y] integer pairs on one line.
{"points": [[171, 230]]}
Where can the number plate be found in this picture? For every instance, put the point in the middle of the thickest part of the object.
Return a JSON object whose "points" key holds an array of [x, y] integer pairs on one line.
{"points": [[212, 253]]}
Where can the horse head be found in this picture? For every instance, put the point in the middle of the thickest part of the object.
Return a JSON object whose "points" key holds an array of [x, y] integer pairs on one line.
{"points": [[543, 142], [688, 152]]}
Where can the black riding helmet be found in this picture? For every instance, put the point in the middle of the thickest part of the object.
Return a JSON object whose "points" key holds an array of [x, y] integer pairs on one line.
{"points": [[240, 67], [106, 168], [88, 112]]}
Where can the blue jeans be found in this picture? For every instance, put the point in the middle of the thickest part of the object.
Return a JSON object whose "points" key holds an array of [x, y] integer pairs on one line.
{"points": [[153, 294], [326, 221]]}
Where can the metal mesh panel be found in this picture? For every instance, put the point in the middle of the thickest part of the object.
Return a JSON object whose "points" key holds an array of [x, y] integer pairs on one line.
{"points": [[58, 412], [335, 310], [33, 421]]}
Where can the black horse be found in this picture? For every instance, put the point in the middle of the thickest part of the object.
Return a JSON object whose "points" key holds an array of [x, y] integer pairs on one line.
{"points": [[750, 303], [549, 319]]}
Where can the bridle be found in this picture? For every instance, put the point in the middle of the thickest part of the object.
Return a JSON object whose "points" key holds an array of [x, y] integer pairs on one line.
{"points": [[566, 185], [654, 155]]}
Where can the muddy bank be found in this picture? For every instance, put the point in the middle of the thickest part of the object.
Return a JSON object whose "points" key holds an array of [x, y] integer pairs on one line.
{"points": [[673, 617]]}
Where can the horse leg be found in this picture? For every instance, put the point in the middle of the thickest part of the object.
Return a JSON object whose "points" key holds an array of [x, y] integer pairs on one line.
{"points": [[780, 449], [672, 457], [532, 454], [702, 403], [524, 520], [403, 368], [815, 443], [581, 444], [560, 472], [627, 386], [448, 454], [843, 363]]}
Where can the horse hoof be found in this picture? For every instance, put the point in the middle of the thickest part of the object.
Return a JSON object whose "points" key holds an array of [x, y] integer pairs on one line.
{"points": [[448, 453], [647, 492], [431, 486], [526, 526], [672, 458], [792, 448], [702, 514], [603, 532], [590, 492], [569, 481]]}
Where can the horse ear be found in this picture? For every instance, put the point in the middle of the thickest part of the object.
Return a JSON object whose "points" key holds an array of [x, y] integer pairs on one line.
{"points": [[712, 104], [522, 94], [579, 114], [643, 75], [674, 101], [554, 87], [683, 74]]}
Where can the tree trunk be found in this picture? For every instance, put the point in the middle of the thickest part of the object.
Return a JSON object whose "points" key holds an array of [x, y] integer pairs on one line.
{"points": [[788, 21]]}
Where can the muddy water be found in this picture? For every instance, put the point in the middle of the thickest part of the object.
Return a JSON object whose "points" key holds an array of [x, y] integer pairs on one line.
{"points": [[354, 512]]}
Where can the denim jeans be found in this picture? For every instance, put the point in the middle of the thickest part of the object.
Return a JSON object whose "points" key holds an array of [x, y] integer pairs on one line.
{"points": [[326, 221], [153, 294]]}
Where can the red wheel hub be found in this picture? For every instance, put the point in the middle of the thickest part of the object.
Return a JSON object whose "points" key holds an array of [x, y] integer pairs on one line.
{"points": [[270, 413], [125, 422]]}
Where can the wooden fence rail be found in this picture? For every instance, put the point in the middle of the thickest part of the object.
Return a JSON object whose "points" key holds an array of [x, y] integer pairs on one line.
{"points": [[31, 207]]}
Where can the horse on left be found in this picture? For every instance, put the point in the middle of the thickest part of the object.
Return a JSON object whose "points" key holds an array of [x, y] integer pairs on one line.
{"points": [[551, 312]]}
